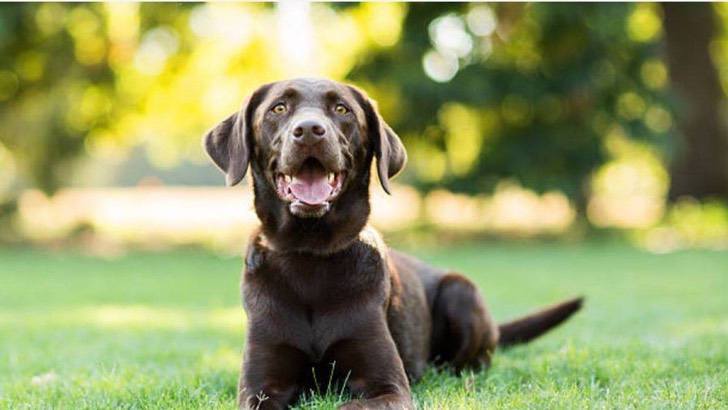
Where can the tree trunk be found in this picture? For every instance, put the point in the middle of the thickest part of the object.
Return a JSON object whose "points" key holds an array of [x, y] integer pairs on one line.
{"points": [[700, 165]]}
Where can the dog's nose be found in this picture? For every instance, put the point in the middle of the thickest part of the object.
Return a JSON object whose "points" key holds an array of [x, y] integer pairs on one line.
{"points": [[308, 132]]}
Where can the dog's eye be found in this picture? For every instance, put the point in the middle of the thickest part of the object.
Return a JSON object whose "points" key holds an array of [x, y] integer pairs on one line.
{"points": [[279, 108], [341, 109]]}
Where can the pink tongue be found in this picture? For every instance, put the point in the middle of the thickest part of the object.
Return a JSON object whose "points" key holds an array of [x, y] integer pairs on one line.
{"points": [[313, 190]]}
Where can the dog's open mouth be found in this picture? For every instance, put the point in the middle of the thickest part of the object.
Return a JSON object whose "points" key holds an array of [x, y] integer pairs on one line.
{"points": [[311, 188]]}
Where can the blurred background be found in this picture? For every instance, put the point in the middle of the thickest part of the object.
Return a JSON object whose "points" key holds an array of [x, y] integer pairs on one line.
{"points": [[535, 121], [555, 150]]}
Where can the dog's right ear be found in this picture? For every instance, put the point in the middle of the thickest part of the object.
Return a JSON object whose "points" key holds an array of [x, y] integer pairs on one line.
{"points": [[230, 142]]}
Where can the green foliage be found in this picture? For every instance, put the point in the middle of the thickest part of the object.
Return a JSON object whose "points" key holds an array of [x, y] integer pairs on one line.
{"points": [[149, 331], [55, 86], [534, 89], [481, 93], [546, 81]]}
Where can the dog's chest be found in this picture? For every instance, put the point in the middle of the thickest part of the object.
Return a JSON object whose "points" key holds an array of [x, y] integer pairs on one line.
{"points": [[313, 301]]}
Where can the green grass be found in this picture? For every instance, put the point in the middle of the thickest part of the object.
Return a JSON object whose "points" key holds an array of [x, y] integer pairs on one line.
{"points": [[166, 330]]}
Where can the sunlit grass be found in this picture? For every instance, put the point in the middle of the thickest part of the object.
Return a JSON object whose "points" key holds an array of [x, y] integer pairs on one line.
{"points": [[166, 330]]}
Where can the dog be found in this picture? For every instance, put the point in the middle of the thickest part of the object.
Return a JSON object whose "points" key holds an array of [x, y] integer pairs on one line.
{"points": [[323, 294]]}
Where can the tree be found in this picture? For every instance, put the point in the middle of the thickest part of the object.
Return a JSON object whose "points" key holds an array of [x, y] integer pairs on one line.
{"points": [[700, 164], [55, 85], [543, 85]]}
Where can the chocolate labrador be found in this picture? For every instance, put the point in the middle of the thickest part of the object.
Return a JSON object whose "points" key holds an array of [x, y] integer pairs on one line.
{"points": [[323, 294]]}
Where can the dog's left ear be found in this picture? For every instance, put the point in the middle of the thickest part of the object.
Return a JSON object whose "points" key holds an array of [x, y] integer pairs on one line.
{"points": [[229, 143], [388, 148]]}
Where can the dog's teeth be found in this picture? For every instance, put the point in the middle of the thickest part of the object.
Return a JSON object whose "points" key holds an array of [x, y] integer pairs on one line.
{"points": [[287, 179], [332, 176]]}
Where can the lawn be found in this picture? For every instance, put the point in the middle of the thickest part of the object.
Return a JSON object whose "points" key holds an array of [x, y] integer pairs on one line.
{"points": [[165, 330]]}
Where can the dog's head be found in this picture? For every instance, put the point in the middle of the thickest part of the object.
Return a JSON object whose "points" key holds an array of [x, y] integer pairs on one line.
{"points": [[309, 142]]}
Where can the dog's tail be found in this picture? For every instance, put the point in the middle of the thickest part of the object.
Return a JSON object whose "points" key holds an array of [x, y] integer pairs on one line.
{"points": [[529, 327]]}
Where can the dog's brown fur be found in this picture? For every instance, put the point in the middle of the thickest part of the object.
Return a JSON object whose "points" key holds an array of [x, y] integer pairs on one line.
{"points": [[321, 290]]}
